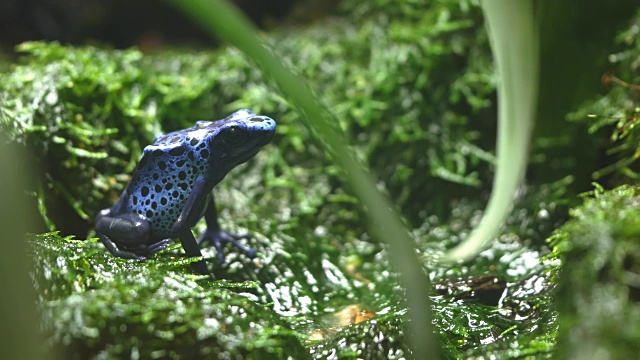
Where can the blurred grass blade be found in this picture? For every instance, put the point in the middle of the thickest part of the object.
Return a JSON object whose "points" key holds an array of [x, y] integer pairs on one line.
{"points": [[19, 323], [514, 42], [225, 21]]}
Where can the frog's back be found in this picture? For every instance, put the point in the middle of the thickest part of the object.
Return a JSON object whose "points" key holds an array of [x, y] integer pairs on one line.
{"points": [[165, 177]]}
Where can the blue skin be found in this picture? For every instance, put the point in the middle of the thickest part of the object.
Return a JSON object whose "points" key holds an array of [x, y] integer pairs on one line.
{"points": [[171, 188]]}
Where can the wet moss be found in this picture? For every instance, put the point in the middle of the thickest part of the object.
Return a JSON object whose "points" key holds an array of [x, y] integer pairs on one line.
{"points": [[94, 305], [598, 302]]}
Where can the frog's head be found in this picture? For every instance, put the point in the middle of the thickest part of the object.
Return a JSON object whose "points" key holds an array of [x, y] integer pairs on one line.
{"points": [[238, 137]]}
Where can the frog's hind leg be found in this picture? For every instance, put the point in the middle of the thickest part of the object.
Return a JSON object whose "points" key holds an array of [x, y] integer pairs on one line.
{"points": [[113, 249], [129, 231]]}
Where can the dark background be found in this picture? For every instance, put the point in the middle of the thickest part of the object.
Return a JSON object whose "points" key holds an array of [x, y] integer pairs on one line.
{"points": [[123, 23]]}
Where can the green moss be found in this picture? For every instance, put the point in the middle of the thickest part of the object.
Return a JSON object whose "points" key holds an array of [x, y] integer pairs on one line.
{"points": [[617, 113], [94, 305], [598, 298]]}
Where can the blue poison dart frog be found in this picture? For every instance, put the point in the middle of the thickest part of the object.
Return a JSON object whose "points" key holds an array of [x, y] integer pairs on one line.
{"points": [[171, 188]]}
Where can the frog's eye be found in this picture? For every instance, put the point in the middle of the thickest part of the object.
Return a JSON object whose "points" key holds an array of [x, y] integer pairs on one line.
{"points": [[232, 136]]}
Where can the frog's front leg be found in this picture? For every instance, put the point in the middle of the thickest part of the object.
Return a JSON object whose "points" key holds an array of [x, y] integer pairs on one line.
{"points": [[126, 231], [189, 215], [218, 237]]}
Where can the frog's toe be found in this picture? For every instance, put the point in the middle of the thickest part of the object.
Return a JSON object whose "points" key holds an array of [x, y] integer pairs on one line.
{"points": [[160, 245], [219, 238], [251, 253], [131, 256]]}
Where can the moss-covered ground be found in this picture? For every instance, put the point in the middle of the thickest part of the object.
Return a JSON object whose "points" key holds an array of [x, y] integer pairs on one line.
{"points": [[415, 92]]}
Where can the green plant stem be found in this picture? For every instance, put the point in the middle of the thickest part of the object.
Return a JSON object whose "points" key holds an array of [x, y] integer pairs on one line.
{"points": [[225, 21], [514, 42]]}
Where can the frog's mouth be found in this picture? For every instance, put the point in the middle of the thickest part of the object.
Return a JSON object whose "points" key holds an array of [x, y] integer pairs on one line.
{"points": [[251, 148]]}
